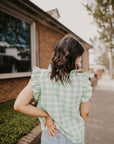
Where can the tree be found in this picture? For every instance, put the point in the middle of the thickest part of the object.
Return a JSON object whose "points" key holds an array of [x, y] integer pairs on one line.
{"points": [[103, 14]]}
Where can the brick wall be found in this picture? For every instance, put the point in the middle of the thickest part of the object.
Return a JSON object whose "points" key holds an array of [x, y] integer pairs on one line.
{"points": [[10, 88], [47, 39]]}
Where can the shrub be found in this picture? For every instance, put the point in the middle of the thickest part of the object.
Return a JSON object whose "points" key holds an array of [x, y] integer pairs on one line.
{"points": [[13, 124]]}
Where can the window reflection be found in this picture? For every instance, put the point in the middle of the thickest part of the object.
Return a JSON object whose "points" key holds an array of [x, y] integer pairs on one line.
{"points": [[15, 53]]}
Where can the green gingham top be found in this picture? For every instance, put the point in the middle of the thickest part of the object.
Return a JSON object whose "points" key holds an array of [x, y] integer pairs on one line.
{"points": [[62, 102]]}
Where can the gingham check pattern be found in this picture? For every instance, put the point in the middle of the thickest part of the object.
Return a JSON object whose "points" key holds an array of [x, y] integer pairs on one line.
{"points": [[62, 102]]}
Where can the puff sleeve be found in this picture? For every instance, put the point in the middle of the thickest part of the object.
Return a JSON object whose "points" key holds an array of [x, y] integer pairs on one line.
{"points": [[35, 80], [87, 88]]}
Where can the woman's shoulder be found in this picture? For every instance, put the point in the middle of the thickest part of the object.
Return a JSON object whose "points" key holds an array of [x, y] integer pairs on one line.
{"points": [[39, 71], [36, 71], [83, 76], [36, 68]]}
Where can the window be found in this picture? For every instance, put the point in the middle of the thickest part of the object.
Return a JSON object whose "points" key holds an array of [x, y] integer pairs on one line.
{"points": [[14, 45], [17, 53]]}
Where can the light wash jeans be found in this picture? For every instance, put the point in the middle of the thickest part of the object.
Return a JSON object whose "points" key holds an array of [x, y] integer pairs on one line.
{"points": [[60, 138]]}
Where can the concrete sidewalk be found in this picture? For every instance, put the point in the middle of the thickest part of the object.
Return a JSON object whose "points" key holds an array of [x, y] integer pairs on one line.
{"points": [[105, 83], [100, 126]]}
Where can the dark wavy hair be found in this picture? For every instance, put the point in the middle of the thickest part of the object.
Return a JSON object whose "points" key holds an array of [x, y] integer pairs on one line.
{"points": [[63, 60]]}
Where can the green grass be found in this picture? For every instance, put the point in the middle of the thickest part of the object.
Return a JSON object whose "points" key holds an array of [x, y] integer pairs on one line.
{"points": [[13, 124]]}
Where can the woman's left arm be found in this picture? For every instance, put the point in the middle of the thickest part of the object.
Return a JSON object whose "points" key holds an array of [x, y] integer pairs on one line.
{"points": [[22, 103]]}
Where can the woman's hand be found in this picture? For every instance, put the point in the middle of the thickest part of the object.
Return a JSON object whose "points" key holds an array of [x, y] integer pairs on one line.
{"points": [[50, 125]]}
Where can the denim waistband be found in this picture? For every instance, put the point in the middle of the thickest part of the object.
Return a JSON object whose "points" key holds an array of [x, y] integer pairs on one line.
{"points": [[60, 138]]}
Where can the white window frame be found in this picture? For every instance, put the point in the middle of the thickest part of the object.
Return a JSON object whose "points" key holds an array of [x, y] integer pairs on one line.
{"points": [[33, 42]]}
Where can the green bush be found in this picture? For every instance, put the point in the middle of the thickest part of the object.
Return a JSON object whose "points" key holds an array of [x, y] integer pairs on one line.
{"points": [[13, 124]]}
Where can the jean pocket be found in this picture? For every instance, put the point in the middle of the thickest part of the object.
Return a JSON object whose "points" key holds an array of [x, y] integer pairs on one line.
{"points": [[83, 142]]}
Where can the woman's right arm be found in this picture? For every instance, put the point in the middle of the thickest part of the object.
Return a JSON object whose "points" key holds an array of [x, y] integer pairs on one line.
{"points": [[84, 111], [22, 105]]}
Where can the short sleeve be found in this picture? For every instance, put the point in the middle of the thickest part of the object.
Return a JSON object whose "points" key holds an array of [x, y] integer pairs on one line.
{"points": [[35, 80], [87, 88]]}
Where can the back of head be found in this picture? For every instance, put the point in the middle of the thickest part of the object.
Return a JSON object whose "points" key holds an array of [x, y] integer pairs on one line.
{"points": [[63, 60]]}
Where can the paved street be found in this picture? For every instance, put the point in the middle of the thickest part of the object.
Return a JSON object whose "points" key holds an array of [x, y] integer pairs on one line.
{"points": [[100, 126]]}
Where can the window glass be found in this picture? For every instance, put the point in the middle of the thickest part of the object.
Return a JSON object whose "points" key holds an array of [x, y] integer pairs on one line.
{"points": [[15, 51]]}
